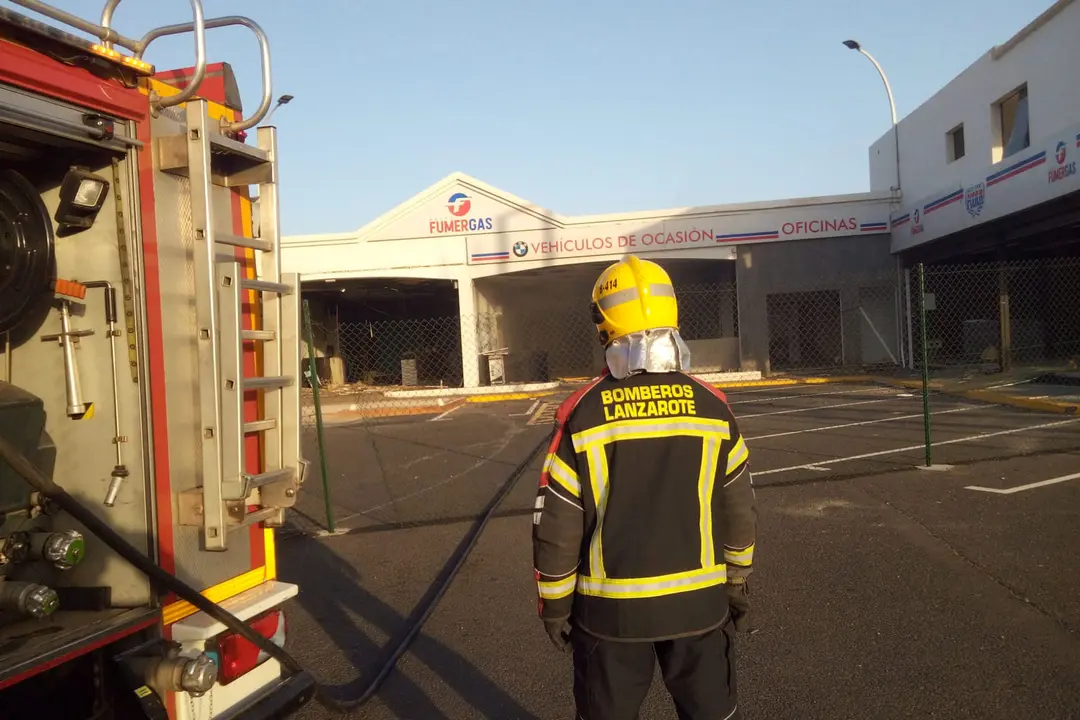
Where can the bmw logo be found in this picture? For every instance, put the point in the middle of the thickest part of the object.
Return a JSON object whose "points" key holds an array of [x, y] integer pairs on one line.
{"points": [[521, 248]]}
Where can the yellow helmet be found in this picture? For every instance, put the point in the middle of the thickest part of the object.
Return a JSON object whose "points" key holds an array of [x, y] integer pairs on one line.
{"points": [[633, 295]]}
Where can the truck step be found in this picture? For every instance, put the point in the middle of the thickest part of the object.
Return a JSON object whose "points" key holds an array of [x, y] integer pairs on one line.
{"points": [[232, 163], [244, 242], [259, 383], [257, 481], [266, 286], [259, 425]]}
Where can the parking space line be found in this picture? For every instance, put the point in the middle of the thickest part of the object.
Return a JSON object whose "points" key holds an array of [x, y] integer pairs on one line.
{"points": [[920, 446], [771, 388], [444, 414], [813, 395], [530, 411], [545, 414], [811, 409], [864, 422], [1029, 486]]}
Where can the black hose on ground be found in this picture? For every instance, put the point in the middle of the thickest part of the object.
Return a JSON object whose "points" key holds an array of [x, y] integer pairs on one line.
{"points": [[45, 485]]}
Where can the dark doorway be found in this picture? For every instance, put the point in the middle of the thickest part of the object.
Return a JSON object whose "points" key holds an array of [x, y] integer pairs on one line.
{"points": [[805, 330]]}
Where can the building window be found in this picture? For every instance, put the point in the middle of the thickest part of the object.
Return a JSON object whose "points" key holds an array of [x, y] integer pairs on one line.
{"points": [[954, 143], [1012, 123]]}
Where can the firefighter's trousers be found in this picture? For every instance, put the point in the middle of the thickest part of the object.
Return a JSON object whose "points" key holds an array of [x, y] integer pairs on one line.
{"points": [[611, 679]]}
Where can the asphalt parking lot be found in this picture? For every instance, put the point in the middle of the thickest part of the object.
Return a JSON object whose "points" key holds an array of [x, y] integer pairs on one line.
{"points": [[881, 590]]}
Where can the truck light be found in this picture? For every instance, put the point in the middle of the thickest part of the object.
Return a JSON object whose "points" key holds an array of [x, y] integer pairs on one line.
{"points": [[140, 66], [82, 194], [237, 656]]}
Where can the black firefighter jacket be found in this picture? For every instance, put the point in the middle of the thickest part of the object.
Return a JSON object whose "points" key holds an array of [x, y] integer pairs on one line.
{"points": [[645, 509]]}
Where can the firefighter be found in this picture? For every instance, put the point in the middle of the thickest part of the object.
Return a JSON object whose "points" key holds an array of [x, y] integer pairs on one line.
{"points": [[645, 519]]}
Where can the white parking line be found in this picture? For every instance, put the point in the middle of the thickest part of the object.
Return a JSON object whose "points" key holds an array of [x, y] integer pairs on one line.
{"points": [[1029, 486], [869, 391], [529, 411], [811, 409], [444, 414], [788, 388], [864, 422], [920, 446]]}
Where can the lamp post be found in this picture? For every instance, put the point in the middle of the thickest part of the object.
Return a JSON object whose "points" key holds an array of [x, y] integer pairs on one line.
{"points": [[902, 274], [854, 45], [283, 100]]}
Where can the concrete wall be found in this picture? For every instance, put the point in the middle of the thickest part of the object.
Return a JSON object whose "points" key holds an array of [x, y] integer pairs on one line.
{"points": [[714, 355], [536, 317], [1045, 56], [855, 276]]}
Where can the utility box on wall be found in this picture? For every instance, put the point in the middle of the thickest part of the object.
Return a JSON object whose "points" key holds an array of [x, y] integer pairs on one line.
{"points": [[496, 366]]}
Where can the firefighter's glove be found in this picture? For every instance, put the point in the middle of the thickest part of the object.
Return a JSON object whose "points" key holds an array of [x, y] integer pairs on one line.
{"points": [[559, 632], [738, 592]]}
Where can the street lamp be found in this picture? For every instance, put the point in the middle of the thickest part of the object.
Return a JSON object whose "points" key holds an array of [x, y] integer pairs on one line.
{"points": [[854, 45], [283, 100]]}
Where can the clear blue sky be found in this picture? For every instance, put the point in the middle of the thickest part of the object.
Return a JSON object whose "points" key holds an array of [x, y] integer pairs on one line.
{"points": [[584, 106]]}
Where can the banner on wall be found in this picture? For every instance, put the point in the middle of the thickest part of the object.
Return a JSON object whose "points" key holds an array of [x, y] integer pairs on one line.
{"points": [[691, 233], [1034, 175]]}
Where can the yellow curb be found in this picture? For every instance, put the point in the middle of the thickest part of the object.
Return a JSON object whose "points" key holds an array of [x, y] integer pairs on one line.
{"points": [[508, 396], [1064, 408], [787, 382], [361, 413], [906, 384], [988, 396]]}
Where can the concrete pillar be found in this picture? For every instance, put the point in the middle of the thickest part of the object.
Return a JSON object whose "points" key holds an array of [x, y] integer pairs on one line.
{"points": [[470, 340]]}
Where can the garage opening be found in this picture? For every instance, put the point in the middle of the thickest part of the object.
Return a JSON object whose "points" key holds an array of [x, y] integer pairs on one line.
{"points": [[1003, 296], [386, 332], [805, 329], [537, 321]]}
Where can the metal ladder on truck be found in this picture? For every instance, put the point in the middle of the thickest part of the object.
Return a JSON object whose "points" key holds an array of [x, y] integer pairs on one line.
{"points": [[231, 498], [228, 491]]}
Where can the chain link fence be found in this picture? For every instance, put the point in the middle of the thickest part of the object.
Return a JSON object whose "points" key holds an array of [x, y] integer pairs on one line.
{"points": [[847, 325], [830, 323], [979, 319], [380, 368], [998, 316], [986, 317]]}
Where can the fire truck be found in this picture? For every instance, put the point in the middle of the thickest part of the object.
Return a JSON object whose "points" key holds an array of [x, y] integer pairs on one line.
{"points": [[149, 383]]}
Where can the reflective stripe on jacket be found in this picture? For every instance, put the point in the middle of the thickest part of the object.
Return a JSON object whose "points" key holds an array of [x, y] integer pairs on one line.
{"points": [[645, 508]]}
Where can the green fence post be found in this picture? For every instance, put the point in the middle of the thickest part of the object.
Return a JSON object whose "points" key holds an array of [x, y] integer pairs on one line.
{"points": [[925, 363], [313, 378]]}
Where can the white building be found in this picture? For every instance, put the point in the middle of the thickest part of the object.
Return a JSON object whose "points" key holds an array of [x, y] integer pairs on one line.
{"points": [[999, 142], [988, 162]]}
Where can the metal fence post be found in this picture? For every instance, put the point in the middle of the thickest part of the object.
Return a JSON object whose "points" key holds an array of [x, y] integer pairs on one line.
{"points": [[925, 363], [313, 378]]}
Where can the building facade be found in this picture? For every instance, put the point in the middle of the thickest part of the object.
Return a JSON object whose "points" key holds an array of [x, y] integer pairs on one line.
{"points": [[1001, 138], [521, 276]]}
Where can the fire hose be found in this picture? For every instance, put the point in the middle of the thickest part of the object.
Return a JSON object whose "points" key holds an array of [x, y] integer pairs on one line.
{"points": [[167, 581]]}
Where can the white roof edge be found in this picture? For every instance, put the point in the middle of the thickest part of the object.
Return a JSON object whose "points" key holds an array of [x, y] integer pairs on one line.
{"points": [[999, 51], [318, 239], [442, 185], [995, 53], [870, 197], [566, 220], [511, 199]]}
